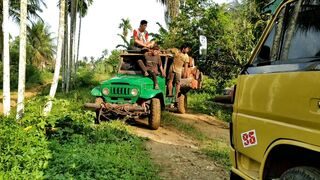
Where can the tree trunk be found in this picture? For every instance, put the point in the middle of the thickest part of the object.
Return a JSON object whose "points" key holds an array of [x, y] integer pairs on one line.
{"points": [[72, 38], [55, 82], [277, 38], [6, 58], [290, 31], [67, 50], [1, 28], [63, 67], [79, 35], [22, 58]]}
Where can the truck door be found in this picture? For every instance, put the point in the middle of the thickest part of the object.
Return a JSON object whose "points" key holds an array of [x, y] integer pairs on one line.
{"points": [[278, 95]]}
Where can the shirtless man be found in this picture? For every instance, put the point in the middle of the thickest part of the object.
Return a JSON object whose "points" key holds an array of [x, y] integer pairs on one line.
{"points": [[141, 36], [179, 65], [152, 65]]}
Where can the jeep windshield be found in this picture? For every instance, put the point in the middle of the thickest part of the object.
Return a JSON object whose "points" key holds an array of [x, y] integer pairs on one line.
{"points": [[129, 64]]}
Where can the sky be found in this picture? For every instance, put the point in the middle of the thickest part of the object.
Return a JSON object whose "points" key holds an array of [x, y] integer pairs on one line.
{"points": [[100, 26]]}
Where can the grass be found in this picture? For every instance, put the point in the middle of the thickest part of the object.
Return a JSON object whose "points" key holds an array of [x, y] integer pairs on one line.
{"points": [[173, 121], [216, 149], [107, 151], [66, 144], [202, 103], [219, 151]]}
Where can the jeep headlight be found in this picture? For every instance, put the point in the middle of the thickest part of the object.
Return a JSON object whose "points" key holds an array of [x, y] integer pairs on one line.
{"points": [[134, 92], [105, 91]]}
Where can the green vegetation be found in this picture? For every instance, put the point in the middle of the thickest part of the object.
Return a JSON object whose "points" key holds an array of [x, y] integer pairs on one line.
{"points": [[67, 145], [220, 152], [216, 149], [203, 103], [173, 121]]}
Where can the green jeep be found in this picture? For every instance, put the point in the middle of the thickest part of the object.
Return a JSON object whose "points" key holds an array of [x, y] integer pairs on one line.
{"points": [[131, 95]]}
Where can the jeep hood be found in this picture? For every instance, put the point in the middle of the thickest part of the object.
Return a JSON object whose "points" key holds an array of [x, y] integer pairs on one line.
{"points": [[132, 80]]}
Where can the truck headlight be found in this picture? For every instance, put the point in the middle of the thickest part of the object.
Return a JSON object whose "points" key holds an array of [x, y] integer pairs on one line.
{"points": [[134, 92], [105, 91]]}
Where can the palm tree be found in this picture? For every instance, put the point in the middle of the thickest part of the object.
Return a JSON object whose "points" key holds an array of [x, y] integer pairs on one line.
{"points": [[71, 50], [73, 17], [66, 60], [83, 6], [34, 6], [172, 8], [41, 44], [290, 30], [54, 85], [6, 59], [22, 58], [126, 26]]}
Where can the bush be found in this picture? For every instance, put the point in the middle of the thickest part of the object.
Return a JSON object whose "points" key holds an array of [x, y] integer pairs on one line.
{"points": [[209, 85], [203, 102], [106, 151], [66, 144], [24, 152], [85, 78]]}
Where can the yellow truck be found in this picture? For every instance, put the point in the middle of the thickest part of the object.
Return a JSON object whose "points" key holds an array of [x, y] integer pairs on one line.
{"points": [[275, 130]]}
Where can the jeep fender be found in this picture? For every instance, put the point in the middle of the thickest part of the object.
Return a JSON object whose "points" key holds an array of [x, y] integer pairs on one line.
{"points": [[153, 94], [96, 91]]}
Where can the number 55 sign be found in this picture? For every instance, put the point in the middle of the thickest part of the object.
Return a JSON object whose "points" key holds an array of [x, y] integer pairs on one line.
{"points": [[249, 138]]}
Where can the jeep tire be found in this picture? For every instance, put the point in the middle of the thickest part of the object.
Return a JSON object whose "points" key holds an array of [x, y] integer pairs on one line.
{"points": [[303, 172], [182, 103], [155, 114]]}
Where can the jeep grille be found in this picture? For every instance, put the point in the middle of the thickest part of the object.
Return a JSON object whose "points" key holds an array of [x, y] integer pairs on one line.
{"points": [[120, 90]]}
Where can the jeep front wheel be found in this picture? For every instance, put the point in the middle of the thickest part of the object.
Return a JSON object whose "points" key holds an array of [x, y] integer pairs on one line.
{"points": [[182, 103], [155, 114]]}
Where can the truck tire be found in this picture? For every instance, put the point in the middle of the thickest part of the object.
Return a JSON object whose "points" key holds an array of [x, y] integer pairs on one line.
{"points": [[182, 103], [155, 114], [303, 172]]}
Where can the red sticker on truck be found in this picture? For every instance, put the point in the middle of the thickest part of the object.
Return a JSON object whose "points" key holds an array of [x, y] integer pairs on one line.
{"points": [[249, 138]]}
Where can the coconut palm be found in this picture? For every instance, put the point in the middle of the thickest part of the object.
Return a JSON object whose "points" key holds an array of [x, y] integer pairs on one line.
{"points": [[172, 8], [290, 30], [41, 42], [22, 58], [73, 16], [54, 85], [83, 6], [34, 7], [6, 59], [71, 49], [126, 26]]}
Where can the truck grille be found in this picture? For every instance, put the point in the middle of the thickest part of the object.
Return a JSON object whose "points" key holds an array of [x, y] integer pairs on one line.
{"points": [[120, 90]]}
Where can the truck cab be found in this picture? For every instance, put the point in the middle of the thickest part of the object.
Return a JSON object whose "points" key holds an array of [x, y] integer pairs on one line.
{"points": [[275, 130]]}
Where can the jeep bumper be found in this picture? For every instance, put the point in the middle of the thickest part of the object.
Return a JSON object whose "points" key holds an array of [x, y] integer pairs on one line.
{"points": [[119, 109]]}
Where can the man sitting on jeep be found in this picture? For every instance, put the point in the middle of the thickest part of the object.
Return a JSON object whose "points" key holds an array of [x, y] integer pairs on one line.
{"points": [[179, 65], [140, 36], [152, 65]]}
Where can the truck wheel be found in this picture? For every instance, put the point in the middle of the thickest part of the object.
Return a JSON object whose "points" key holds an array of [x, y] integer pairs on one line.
{"points": [[98, 118], [182, 103], [305, 173], [155, 114]]}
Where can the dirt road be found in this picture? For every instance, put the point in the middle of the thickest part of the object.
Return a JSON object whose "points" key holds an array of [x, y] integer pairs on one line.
{"points": [[179, 155]]}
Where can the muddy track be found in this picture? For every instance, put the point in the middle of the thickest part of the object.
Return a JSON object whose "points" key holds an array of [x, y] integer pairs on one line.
{"points": [[179, 155]]}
